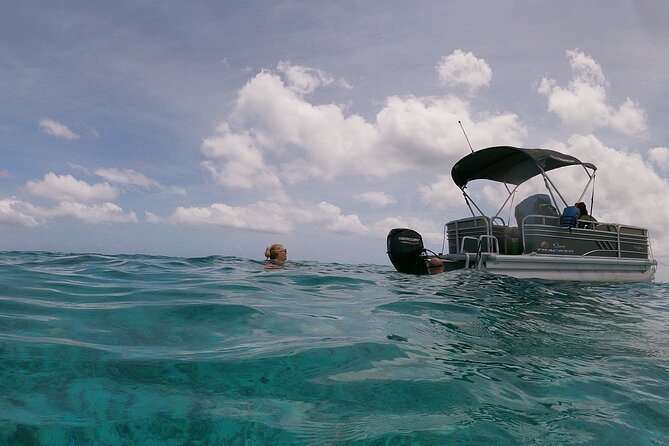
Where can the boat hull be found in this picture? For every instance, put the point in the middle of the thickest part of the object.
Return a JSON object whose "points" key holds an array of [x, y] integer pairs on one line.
{"points": [[578, 268]]}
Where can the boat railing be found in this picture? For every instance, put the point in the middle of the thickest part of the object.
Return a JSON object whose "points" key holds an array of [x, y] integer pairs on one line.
{"points": [[470, 257], [543, 234], [464, 235], [536, 219], [593, 237], [479, 244], [495, 244], [463, 243]]}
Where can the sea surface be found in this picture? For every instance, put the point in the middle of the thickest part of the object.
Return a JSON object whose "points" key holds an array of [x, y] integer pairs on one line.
{"points": [[146, 350]]}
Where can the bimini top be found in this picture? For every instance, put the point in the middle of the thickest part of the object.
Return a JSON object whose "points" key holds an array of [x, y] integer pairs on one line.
{"points": [[511, 165]]}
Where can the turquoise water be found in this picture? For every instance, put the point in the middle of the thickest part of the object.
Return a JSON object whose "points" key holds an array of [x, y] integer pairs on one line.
{"points": [[141, 350]]}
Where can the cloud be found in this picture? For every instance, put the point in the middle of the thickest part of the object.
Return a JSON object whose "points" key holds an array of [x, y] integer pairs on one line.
{"points": [[68, 188], [274, 136], [75, 166], [130, 177], [17, 213], [5, 173], [97, 213], [153, 218], [53, 128], [660, 156], [443, 194], [127, 177], [423, 133], [329, 217], [305, 140], [238, 163], [376, 199], [261, 217], [582, 104], [303, 80], [460, 68], [266, 217], [428, 229], [178, 190], [301, 134]]}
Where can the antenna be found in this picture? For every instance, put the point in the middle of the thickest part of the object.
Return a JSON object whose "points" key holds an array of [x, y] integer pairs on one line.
{"points": [[463, 131]]}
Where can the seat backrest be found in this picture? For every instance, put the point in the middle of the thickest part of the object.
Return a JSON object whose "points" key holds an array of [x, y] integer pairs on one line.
{"points": [[538, 204], [569, 217]]}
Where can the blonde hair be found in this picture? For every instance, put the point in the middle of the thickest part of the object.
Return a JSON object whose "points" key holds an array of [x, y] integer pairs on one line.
{"points": [[272, 251]]}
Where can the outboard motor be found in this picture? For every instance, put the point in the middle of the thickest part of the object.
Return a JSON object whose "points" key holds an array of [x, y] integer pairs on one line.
{"points": [[406, 251]]}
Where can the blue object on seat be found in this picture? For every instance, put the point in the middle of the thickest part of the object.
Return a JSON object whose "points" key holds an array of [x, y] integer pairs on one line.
{"points": [[569, 217]]}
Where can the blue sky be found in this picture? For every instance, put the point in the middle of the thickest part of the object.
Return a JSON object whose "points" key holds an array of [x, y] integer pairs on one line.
{"points": [[197, 128]]}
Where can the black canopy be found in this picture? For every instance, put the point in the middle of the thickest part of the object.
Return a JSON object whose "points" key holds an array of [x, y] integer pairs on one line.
{"points": [[511, 165]]}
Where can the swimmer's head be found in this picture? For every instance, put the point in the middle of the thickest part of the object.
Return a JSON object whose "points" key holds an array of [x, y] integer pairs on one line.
{"points": [[273, 251]]}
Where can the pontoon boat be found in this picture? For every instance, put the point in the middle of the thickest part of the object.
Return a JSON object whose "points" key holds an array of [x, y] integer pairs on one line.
{"points": [[543, 243]]}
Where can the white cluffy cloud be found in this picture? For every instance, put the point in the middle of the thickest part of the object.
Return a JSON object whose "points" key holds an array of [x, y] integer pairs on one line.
{"points": [[76, 199], [460, 68], [275, 136], [96, 213], [660, 156], [53, 128], [376, 199], [582, 105], [442, 194], [329, 218], [238, 164], [68, 188], [303, 80], [17, 213], [261, 217], [428, 229], [266, 217]]}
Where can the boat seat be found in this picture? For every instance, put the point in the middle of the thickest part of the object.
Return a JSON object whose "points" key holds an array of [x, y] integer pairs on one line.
{"points": [[538, 204], [569, 217]]}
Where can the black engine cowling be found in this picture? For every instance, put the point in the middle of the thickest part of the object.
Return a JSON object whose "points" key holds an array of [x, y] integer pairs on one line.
{"points": [[406, 251]]}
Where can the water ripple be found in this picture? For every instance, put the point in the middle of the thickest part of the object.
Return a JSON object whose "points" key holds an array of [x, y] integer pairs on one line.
{"points": [[219, 350]]}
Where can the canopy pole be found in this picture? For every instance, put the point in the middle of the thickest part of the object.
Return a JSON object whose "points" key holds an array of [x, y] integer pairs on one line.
{"points": [[508, 222], [511, 193], [592, 195], [468, 200], [591, 180], [548, 180]]}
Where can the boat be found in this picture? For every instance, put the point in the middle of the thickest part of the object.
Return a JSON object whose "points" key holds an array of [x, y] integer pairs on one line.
{"points": [[542, 243]]}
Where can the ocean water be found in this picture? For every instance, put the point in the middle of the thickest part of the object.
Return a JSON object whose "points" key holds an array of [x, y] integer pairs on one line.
{"points": [[145, 350]]}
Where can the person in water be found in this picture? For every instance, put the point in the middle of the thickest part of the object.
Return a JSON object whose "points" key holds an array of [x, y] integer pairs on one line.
{"points": [[435, 266], [276, 254]]}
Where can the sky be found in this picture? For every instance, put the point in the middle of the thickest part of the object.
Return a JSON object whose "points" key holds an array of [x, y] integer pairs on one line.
{"points": [[217, 128]]}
